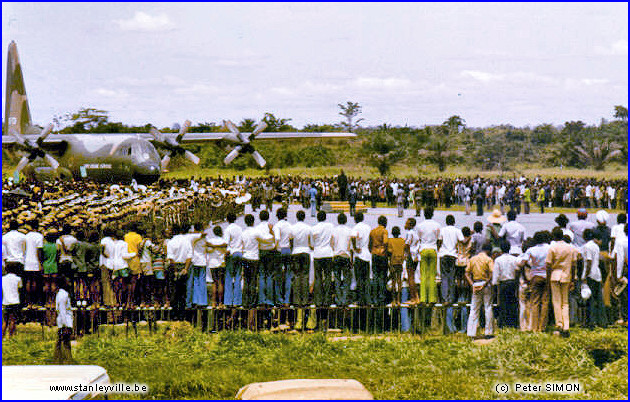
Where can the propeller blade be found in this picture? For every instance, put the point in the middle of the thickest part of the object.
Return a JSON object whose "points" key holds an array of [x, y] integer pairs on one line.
{"points": [[17, 137], [232, 127], [183, 131], [232, 155], [45, 132], [156, 134], [259, 128], [23, 162], [259, 159], [192, 157], [164, 162], [51, 161]]}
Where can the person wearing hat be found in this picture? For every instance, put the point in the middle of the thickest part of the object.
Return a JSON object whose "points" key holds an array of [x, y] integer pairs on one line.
{"points": [[495, 220], [561, 273]]}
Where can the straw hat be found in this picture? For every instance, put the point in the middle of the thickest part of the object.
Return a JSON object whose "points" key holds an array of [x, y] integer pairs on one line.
{"points": [[496, 217]]}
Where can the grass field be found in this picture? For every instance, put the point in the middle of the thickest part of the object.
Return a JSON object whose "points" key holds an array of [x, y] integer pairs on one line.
{"points": [[180, 362], [612, 172]]}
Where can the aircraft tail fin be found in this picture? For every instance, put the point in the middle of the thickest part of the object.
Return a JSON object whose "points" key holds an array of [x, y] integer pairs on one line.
{"points": [[17, 114]]}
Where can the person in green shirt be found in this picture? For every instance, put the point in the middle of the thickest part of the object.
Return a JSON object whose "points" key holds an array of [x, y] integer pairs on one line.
{"points": [[50, 266], [527, 198]]}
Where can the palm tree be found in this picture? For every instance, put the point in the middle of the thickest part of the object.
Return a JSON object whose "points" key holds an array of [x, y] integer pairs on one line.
{"points": [[597, 153]]}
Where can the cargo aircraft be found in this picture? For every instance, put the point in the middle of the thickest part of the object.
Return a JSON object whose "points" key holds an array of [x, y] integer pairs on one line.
{"points": [[111, 157]]}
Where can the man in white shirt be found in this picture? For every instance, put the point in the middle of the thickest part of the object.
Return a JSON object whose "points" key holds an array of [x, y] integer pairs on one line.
{"points": [[11, 284], [504, 276], [301, 247], [233, 262], [252, 237], [595, 312], [179, 254], [360, 240], [14, 248], [268, 260], [33, 257], [342, 267], [448, 238], [63, 348], [283, 268], [428, 234], [322, 260], [620, 270], [513, 232]]}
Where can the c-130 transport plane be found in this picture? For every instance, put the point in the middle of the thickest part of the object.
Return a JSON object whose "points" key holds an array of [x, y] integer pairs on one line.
{"points": [[110, 157]]}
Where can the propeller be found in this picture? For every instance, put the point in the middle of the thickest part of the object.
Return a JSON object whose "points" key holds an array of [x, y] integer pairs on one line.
{"points": [[172, 146], [34, 149], [243, 141]]}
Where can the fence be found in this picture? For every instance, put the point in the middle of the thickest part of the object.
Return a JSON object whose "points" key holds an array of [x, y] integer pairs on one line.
{"points": [[413, 319]]}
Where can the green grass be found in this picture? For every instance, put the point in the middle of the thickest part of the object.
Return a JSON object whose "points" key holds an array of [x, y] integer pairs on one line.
{"points": [[180, 362], [612, 172]]}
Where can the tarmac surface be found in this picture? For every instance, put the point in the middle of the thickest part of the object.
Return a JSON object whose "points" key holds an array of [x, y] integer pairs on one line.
{"points": [[533, 221]]}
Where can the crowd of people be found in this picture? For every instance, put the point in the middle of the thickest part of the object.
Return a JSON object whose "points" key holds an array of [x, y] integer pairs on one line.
{"points": [[164, 246], [518, 193]]}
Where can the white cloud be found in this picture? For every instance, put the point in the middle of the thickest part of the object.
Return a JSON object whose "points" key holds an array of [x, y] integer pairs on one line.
{"points": [[618, 48], [594, 81], [143, 22], [111, 93], [198, 89], [381, 83], [481, 75]]}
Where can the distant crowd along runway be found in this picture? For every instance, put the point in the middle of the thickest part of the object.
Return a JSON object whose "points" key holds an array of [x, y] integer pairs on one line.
{"points": [[111, 157]]}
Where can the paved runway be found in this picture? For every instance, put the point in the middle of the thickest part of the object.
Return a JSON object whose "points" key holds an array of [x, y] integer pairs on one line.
{"points": [[533, 222]]}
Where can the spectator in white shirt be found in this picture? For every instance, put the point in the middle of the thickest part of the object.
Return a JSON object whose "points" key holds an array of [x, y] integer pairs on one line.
{"points": [[216, 250], [322, 260], [595, 311], [428, 233], [107, 266], [284, 266], [504, 276], [360, 242], [233, 263], [11, 284], [63, 348], [14, 248], [251, 236], [620, 270], [342, 260], [196, 286], [179, 255], [268, 257], [33, 257], [513, 232], [449, 237], [301, 245]]}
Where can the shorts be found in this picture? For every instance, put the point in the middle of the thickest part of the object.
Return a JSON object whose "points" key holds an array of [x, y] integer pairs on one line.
{"points": [[159, 274], [10, 310], [120, 273]]}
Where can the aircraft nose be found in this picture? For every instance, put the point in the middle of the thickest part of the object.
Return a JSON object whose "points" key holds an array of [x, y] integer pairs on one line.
{"points": [[147, 172]]}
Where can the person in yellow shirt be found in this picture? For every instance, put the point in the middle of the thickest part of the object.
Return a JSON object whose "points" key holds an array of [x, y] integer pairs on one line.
{"points": [[133, 240], [527, 199], [396, 252]]}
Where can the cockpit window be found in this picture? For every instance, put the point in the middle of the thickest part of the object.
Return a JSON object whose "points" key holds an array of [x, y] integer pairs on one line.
{"points": [[143, 151]]}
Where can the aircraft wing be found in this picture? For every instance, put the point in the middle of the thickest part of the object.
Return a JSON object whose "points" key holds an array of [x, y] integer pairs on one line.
{"points": [[53, 139], [203, 137]]}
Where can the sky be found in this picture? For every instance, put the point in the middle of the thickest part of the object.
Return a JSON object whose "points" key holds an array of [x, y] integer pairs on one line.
{"points": [[409, 64]]}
